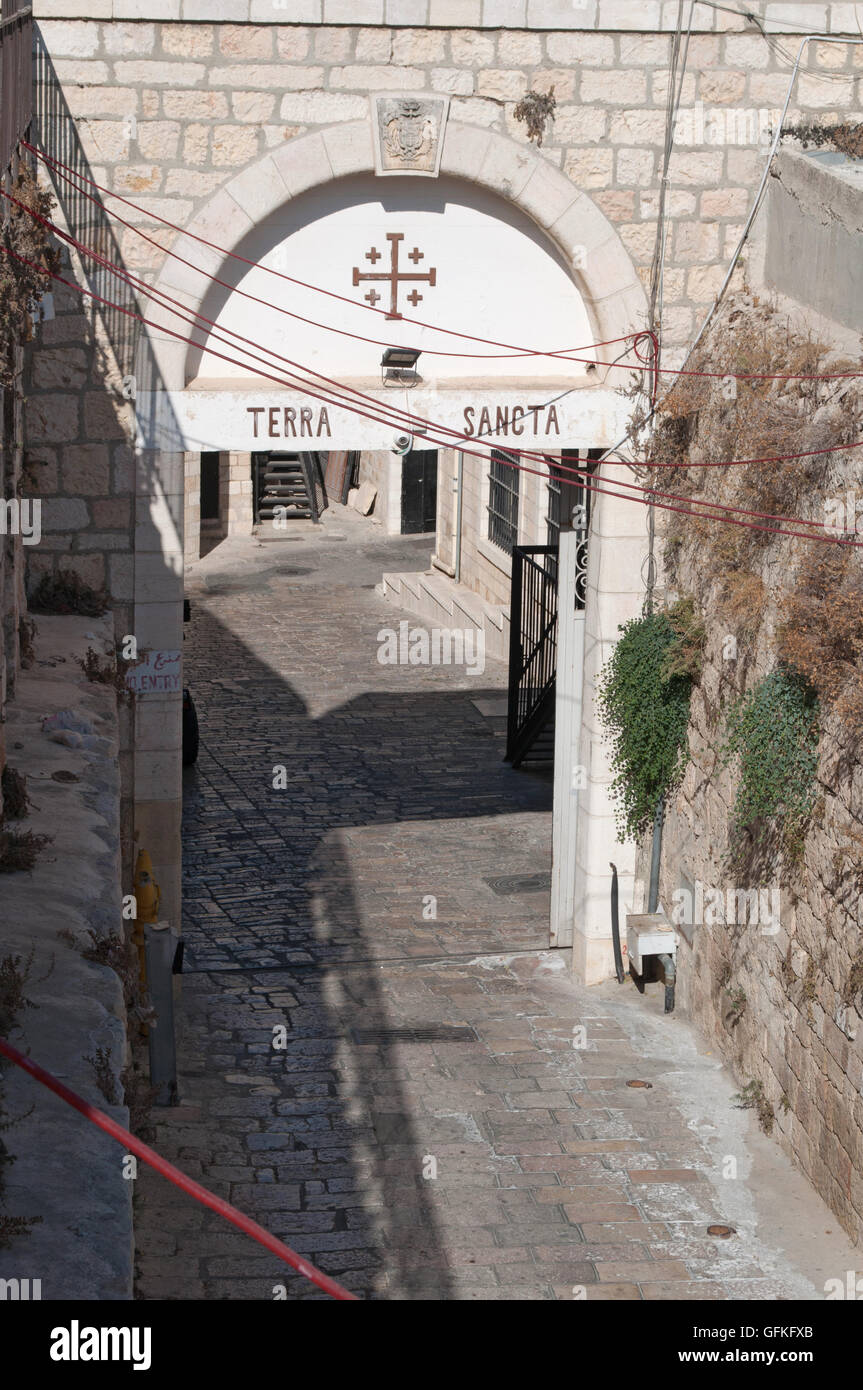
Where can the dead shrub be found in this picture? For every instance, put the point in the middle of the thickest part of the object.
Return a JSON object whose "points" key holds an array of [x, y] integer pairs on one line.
{"points": [[21, 284], [535, 110], [16, 802], [66, 592], [19, 850], [822, 632], [845, 136], [741, 601], [14, 974], [102, 670], [104, 1074]]}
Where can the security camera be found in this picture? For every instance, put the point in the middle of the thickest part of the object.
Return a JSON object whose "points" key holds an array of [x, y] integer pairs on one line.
{"points": [[402, 444]]}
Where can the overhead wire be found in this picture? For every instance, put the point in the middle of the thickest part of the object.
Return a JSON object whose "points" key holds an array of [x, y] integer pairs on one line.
{"points": [[408, 417], [697, 507]]}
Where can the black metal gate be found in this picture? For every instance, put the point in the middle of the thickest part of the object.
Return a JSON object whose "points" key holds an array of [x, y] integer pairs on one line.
{"points": [[419, 492], [532, 648]]}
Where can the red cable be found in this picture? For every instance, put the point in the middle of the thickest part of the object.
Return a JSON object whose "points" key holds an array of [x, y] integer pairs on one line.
{"points": [[646, 497], [180, 311], [151, 292], [57, 164], [175, 307], [174, 1175], [168, 301]]}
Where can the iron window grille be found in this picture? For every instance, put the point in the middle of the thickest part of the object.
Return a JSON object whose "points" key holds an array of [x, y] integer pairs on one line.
{"points": [[503, 482]]}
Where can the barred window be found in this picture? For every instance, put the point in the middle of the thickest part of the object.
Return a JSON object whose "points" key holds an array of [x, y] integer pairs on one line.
{"points": [[503, 481]]}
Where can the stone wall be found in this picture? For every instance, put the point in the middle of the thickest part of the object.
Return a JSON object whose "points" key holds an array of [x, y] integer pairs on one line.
{"points": [[65, 1171], [770, 954], [168, 112], [798, 1036], [79, 455], [12, 600]]}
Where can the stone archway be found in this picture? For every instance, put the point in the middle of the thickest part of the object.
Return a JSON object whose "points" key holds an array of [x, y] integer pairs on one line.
{"points": [[617, 305], [589, 243]]}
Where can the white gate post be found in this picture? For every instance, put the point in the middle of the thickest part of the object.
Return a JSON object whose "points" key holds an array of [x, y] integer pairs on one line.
{"points": [[567, 738]]}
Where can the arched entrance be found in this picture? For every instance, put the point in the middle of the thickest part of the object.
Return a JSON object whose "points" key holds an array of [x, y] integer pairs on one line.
{"points": [[315, 185]]}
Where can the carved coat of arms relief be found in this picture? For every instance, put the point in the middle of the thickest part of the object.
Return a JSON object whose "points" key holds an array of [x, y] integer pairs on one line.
{"points": [[409, 133]]}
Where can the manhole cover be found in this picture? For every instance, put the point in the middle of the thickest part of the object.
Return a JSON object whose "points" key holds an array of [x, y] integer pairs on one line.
{"points": [[519, 883], [436, 1032], [61, 775]]}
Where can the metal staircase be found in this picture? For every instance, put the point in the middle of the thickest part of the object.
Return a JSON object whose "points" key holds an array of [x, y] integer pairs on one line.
{"points": [[286, 481]]}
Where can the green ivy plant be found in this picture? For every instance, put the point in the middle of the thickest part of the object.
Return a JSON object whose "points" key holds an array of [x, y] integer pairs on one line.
{"points": [[643, 698], [773, 731]]}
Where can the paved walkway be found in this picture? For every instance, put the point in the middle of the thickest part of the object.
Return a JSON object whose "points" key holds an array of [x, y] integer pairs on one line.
{"points": [[429, 1130]]}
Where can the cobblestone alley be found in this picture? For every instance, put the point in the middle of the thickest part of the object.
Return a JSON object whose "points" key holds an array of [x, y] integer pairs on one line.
{"points": [[429, 1130]]}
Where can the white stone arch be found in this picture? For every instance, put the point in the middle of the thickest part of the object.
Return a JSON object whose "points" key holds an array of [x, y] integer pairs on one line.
{"points": [[617, 304], [613, 294]]}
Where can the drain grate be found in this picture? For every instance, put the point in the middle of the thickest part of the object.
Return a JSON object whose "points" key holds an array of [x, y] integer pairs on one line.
{"points": [[436, 1032], [514, 884]]}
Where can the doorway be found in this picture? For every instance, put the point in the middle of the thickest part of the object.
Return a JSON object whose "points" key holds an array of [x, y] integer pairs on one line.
{"points": [[419, 492]]}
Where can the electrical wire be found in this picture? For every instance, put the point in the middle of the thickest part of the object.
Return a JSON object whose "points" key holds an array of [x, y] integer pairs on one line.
{"points": [[408, 418], [513, 350], [710, 511], [400, 417], [562, 354], [132, 1144]]}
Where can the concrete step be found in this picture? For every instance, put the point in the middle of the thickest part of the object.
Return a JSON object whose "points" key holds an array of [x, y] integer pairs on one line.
{"points": [[437, 593], [440, 602]]}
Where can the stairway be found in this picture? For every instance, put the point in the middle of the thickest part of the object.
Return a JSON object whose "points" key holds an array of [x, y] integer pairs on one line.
{"points": [[282, 480], [441, 602], [538, 747]]}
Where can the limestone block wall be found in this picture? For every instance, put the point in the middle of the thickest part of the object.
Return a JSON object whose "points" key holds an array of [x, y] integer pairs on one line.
{"points": [[770, 955], [79, 458], [798, 1036], [486, 568], [12, 601], [383, 470], [168, 111]]}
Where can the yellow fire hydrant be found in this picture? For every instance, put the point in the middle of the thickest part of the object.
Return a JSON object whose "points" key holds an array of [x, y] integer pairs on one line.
{"points": [[147, 899]]}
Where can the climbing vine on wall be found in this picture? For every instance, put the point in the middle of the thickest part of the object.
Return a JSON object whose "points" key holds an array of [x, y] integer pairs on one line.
{"points": [[773, 732], [643, 700]]}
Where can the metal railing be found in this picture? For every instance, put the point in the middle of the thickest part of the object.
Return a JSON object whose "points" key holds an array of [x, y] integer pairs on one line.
{"points": [[16, 78], [86, 218], [532, 646]]}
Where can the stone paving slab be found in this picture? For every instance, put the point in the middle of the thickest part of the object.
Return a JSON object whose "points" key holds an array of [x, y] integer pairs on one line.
{"points": [[508, 1164]]}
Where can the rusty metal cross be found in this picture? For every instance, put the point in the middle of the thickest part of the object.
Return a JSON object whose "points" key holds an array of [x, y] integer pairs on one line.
{"points": [[394, 275]]}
